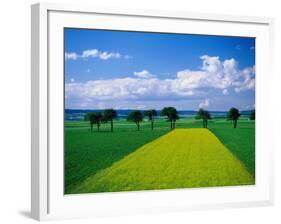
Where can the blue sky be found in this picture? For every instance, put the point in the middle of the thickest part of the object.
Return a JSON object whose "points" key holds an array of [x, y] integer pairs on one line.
{"points": [[130, 70]]}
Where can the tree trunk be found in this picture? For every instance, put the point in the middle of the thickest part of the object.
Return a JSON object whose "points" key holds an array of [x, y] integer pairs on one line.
{"points": [[174, 124], [138, 125], [235, 123], [205, 123], [152, 123], [171, 124], [111, 122], [91, 127], [98, 127]]}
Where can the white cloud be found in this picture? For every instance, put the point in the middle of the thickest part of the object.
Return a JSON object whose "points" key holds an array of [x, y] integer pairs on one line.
{"points": [[225, 92], [144, 74], [218, 74], [93, 53], [211, 64], [214, 74], [71, 56], [247, 81], [204, 104], [105, 55], [72, 80], [90, 53]]}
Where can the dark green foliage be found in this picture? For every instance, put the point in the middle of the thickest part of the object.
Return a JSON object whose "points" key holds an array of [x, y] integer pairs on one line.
{"points": [[135, 116], [95, 118], [253, 115], [110, 115], [172, 115], [205, 116], [233, 115], [151, 115]]}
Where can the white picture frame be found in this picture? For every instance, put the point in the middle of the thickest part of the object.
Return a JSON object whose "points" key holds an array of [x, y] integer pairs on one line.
{"points": [[48, 201]]}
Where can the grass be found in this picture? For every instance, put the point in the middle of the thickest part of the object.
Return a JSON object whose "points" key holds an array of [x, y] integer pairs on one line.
{"points": [[240, 141], [182, 158], [88, 154]]}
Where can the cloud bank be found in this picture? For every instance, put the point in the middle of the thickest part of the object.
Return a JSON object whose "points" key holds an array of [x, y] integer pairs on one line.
{"points": [[214, 74]]}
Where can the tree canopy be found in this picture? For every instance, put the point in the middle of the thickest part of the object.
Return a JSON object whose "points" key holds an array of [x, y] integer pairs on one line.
{"points": [[110, 115], [95, 118], [233, 115], [135, 116], [205, 116], [150, 114], [172, 115], [253, 115]]}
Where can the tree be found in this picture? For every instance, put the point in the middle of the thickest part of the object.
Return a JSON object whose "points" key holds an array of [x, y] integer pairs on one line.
{"points": [[151, 114], [233, 115], [172, 115], [205, 116], [253, 115], [94, 118], [110, 115], [135, 116]]}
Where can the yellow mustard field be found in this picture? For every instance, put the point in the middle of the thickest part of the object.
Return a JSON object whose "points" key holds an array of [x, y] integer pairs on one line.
{"points": [[182, 158]]}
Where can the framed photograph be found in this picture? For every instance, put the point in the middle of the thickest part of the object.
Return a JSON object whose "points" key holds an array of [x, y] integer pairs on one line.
{"points": [[137, 111]]}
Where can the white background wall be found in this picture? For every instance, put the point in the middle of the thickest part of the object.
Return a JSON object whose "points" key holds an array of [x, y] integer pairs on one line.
{"points": [[15, 110]]}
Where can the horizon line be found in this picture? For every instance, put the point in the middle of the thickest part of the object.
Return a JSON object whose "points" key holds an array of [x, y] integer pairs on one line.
{"points": [[161, 109]]}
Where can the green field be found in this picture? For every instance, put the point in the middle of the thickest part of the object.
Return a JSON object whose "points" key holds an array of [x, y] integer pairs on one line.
{"points": [[188, 156]]}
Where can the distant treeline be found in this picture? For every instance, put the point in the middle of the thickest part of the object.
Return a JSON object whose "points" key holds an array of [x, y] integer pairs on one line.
{"points": [[79, 114], [170, 113]]}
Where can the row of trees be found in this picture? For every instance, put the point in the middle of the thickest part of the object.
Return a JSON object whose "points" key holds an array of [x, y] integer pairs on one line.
{"points": [[171, 114], [233, 115], [98, 118]]}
